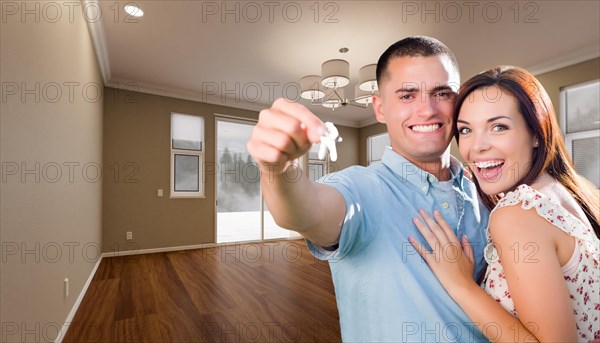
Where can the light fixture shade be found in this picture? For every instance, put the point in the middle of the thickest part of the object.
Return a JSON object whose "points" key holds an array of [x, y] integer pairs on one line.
{"points": [[335, 73], [367, 78], [311, 87], [362, 97], [331, 99]]}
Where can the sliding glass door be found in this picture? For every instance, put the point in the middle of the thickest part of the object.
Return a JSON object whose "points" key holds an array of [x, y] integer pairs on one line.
{"points": [[237, 184], [241, 214]]}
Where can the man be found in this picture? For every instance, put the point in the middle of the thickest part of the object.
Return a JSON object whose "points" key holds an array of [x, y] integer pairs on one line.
{"points": [[361, 218]]}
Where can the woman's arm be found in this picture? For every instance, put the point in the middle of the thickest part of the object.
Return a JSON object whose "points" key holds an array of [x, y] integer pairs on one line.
{"points": [[532, 271], [491, 319]]}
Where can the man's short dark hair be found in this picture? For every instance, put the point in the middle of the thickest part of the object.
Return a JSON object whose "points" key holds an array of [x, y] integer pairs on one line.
{"points": [[416, 46]]}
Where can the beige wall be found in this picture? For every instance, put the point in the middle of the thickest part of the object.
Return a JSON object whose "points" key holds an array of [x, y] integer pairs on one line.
{"points": [[552, 81], [347, 149], [137, 131], [50, 218], [577, 73], [364, 133]]}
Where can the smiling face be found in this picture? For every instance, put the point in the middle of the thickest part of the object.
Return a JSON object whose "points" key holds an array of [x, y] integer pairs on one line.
{"points": [[494, 139], [416, 103]]}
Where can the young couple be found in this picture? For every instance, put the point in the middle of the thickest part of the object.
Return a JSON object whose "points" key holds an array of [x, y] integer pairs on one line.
{"points": [[377, 225]]}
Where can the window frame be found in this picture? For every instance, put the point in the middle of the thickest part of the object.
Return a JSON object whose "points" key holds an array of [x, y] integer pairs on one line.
{"points": [[173, 194], [570, 137], [369, 142], [325, 163]]}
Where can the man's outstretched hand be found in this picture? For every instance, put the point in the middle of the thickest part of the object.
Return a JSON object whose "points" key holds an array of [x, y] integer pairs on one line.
{"points": [[283, 133]]}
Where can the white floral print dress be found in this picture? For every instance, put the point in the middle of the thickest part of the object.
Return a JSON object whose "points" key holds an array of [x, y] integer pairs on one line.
{"points": [[581, 273]]}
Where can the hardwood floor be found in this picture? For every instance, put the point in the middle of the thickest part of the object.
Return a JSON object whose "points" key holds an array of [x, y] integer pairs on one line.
{"points": [[259, 292]]}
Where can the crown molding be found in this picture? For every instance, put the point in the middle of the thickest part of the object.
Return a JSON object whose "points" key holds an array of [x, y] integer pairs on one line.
{"points": [[98, 36], [337, 121], [565, 60], [369, 121], [184, 94]]}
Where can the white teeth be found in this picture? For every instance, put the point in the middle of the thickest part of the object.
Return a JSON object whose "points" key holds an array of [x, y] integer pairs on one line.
{"points": [[426, 128], [488, 164]]}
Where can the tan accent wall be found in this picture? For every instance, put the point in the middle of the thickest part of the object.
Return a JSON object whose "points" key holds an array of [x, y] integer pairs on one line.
{"points": [[555, 80], [137, 141], [51, 148], [347, 149]]}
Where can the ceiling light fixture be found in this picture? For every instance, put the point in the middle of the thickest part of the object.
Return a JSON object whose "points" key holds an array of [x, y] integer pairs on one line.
{"points": [[133, 10], [327, 89]]}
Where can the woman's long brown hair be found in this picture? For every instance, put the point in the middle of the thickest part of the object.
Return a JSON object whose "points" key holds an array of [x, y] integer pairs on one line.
{"points": [[551, 155]]}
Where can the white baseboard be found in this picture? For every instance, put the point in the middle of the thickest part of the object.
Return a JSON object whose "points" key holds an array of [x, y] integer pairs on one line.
{"points": [[188, 247], [156, 250], [71, 315]]}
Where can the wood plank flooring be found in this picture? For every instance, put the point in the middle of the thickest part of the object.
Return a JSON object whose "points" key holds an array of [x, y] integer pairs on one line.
{"points": [[258, 292]]}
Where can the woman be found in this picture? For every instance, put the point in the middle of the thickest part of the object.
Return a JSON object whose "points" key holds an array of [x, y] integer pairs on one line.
{"points": [[543, 277]]}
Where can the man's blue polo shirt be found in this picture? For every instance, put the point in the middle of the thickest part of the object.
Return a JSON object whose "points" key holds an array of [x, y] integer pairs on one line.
{"points": [[385, 292]]}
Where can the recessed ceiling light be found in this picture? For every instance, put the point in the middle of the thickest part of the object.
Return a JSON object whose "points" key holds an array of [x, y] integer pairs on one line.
{"points": [[133, 10]]}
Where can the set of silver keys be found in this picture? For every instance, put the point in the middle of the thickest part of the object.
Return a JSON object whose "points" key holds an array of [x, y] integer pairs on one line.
{"points": [[328, 140]]}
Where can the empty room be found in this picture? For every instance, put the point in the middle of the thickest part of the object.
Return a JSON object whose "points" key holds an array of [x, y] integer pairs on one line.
{"points": [[299, 171]]}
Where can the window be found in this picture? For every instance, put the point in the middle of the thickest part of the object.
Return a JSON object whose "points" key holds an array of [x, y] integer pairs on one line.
{"points": [[580, 123], [376, 146], [187, 156], [317, 168]]}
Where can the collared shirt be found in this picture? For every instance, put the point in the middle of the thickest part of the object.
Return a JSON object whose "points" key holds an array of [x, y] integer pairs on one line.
{"points": [[385, 291]]}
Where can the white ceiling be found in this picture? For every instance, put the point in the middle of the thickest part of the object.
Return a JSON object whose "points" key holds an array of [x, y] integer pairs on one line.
{"points": [[254, 51]]}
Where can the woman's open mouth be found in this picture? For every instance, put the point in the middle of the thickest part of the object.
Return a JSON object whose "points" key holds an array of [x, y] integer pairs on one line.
{"points": [[489, 170]]}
